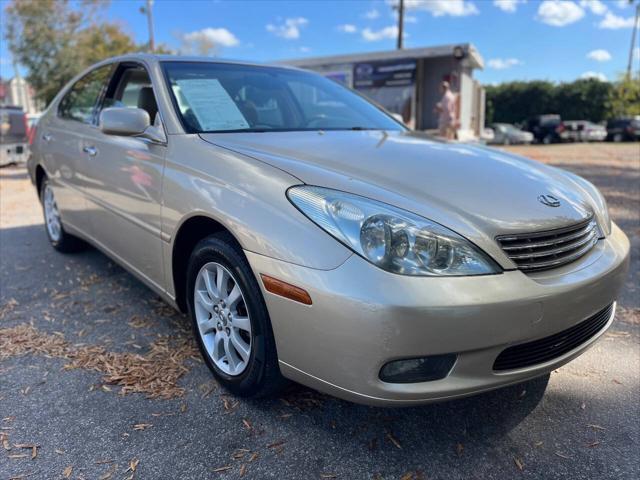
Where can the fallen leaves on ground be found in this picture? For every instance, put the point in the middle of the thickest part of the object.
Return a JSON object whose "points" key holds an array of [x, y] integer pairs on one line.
{"points": [[4, 439], [138, 321], [133, 464], [142, 426], [222, 469], [8, 307], [155, 373], [394, 440], [595, 427], [562, 455], [32, 446], [519, 463]]}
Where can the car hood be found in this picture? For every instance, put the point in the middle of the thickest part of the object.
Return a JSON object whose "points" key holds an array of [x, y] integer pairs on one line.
{"points": [[479, 192]]}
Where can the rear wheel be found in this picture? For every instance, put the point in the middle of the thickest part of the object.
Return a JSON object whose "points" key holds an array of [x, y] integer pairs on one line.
{"points": [[230, 319], [58, 237], [618, 137]]}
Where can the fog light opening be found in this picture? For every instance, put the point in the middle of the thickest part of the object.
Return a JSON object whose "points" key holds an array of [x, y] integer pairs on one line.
{"points": [[416, 370]]}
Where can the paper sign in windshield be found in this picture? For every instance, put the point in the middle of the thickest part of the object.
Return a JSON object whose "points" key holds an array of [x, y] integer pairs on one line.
{"points": [[211, 104]]}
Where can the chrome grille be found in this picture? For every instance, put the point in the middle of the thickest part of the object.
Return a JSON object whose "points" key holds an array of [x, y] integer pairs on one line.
{"points": [[552, 248]]}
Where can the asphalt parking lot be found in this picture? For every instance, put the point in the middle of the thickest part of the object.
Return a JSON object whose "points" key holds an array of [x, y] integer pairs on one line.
{"points": [[99, 379]]}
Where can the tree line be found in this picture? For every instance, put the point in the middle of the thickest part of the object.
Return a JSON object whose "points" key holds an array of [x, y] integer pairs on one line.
{"points": [[584, 99], [54, 40]]}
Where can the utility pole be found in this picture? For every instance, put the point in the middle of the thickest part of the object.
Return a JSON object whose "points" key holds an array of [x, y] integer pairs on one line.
{"points": [[400, 8], [633, 42], [148, 10]]}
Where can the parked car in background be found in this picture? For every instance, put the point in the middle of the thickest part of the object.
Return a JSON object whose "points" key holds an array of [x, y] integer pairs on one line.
{"points": [[584, 131], [487, 135], [623, 129], [547, 129], [311, 236], [13, 135], [508, 134], [32, 121]]}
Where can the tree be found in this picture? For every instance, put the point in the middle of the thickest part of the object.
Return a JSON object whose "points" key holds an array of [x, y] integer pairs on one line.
{"points": [[624, 98], [54, 41], [583, 99]]}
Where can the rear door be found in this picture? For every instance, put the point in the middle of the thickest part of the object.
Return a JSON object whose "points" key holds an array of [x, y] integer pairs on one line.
{"points": [[124, 179], [63, 150]]}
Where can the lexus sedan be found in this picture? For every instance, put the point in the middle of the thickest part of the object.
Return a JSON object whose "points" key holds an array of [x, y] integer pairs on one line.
{"points": [[310, 236]]}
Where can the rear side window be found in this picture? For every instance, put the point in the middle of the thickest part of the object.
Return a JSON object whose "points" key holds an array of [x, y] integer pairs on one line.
{"points": [[80, 101]]}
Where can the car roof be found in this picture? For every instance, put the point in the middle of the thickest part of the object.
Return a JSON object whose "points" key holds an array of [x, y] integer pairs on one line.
{"points": [[157, 58]]}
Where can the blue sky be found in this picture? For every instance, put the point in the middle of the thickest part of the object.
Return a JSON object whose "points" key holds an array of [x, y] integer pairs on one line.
{"points": [[558, 40]]}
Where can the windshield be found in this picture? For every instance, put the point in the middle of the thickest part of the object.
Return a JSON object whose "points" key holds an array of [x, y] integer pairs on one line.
{"points": [[219, 97]]}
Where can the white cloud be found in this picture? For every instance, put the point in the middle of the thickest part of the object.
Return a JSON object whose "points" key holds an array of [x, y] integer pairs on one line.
{"points": [[347, 28], [599, 55], [614, 22], [289, 29], [595, 75], [304, 49], [559, 13], [596, 6], [377, 35], [503, 63], [372, 14], [210, 37], [622, 3], [509, 6], [439, 8]]}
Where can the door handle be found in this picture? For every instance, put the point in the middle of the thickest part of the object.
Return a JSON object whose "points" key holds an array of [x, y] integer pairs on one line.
{"points": [[92, 151], [47, 137]]}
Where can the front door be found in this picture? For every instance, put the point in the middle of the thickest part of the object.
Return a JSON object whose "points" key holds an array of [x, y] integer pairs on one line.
{"points": [[126, 180]]}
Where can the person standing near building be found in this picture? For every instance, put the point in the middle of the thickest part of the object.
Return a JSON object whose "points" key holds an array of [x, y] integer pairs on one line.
{"points": [[447, 109]]}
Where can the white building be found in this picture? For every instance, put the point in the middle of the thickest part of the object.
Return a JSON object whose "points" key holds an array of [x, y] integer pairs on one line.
{"points": [[18, 92], [407, 82]]}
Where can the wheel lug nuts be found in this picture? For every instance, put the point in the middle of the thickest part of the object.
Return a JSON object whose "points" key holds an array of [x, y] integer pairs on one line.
{"points": [[219, 326], [228, 330]]}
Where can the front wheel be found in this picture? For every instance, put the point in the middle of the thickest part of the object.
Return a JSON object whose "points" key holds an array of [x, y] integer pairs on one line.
{"points": [[230, 319], [58, 237]]}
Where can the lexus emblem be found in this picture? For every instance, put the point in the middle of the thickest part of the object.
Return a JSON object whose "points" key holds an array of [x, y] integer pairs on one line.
{"points": [[549, 200]]}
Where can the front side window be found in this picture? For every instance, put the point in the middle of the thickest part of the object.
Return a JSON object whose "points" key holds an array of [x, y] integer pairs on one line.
{"points": [[80, 101], [217, 97], [133, 89]]}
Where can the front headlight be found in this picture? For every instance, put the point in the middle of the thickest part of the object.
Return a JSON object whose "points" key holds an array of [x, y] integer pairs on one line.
{"points": [[393, 239]]}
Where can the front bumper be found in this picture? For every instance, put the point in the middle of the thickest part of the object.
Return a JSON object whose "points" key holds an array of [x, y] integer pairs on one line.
{"points": [[362, 317]]}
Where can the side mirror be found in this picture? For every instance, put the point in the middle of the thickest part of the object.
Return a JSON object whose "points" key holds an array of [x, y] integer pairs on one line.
{"points": [[124, 121]]}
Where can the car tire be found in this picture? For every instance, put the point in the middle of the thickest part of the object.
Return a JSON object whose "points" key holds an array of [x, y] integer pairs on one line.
{"points": [[57, 235], [547, 140], [218, 336], [618, 137]]}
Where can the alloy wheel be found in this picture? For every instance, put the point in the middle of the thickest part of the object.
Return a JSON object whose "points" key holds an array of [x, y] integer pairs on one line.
{"points": [[223, 319], [52, 215]]}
